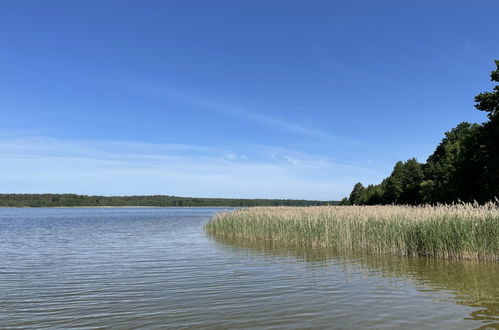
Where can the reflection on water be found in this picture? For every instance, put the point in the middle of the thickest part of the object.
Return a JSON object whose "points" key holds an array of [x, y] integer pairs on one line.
{"points": [[471, 283], [156, 268]]}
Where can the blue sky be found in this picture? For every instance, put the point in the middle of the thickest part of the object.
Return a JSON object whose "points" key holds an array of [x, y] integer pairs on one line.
{"points": [[263, 99]]}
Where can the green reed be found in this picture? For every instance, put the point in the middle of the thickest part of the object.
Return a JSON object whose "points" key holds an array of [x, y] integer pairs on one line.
{"points": [[462, 231]]}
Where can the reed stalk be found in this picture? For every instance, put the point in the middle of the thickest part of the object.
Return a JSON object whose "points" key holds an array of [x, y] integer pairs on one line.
{"points": [[459, 231]]}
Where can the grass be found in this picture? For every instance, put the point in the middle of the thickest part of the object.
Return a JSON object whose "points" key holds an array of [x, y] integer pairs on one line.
{"points": [[461, 231]]}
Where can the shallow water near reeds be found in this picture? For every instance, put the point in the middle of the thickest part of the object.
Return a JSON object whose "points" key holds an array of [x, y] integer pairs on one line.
{"points": [[156, 268]]}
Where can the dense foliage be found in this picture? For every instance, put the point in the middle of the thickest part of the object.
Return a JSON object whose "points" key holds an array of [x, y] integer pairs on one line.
{"points": [[61, 200], [464, 166]]}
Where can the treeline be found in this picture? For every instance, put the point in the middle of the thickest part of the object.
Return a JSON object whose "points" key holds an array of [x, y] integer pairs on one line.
{"points": [[464, 166], [62, 200]]}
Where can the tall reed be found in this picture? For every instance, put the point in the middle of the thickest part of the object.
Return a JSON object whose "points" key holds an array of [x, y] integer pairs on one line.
{"points": [[461, 231]]}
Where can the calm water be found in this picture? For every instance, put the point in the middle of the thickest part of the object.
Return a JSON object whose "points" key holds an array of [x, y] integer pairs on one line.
{"points": [[155, 268]]}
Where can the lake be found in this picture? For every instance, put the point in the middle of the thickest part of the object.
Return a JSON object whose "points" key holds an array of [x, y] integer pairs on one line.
{"points": [[126, 268]]}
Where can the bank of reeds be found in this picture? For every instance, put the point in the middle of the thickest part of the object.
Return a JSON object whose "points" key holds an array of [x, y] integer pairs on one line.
{"points": [[462, 231]]}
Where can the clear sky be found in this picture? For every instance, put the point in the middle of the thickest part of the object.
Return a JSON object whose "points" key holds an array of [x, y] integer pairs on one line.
{"points": [[270, 99]]}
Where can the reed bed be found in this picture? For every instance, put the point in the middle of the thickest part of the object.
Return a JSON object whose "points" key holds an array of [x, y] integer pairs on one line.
{"points": [[460, 231]]}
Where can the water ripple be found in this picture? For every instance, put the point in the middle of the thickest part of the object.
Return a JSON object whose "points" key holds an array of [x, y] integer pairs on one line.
{"points": [[156, 268]]}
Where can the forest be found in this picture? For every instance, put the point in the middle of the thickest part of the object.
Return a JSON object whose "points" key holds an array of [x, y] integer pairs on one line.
{"points": [[463, 168], [71, 200]]}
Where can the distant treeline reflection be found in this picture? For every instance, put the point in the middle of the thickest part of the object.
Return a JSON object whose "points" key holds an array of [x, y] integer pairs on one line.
{"points": [[68, 200]]}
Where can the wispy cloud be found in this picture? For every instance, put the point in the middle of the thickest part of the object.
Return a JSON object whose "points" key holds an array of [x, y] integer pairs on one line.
{"points": [[40, 164], [452, 60], [343, 69], [465, 56], [245, 113]]}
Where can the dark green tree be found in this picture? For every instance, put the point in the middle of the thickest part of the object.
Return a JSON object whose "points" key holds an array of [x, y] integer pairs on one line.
{"points": [[357, 194], [394, 184], [464, 166], [443, 168], [345, 201], [374, 194], [489, 101], [483, 149], [413, 176]]}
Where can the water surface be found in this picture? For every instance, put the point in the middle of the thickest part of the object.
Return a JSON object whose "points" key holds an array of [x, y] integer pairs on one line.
{"points": [[156, 268]]}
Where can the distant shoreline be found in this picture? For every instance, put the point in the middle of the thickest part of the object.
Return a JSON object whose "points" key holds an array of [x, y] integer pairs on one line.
{"points": [[144, 201], [117, 207]]}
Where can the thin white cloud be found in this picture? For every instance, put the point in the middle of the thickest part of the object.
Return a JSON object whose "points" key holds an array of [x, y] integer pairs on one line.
{"points": [[464, 56], [35, 164], [451, 60], [245, 113], [343, 69]]}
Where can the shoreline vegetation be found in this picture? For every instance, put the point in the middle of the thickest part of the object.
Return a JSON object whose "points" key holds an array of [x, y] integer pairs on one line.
{"points": [[74, 200], [463, 167], [458, 231]]}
